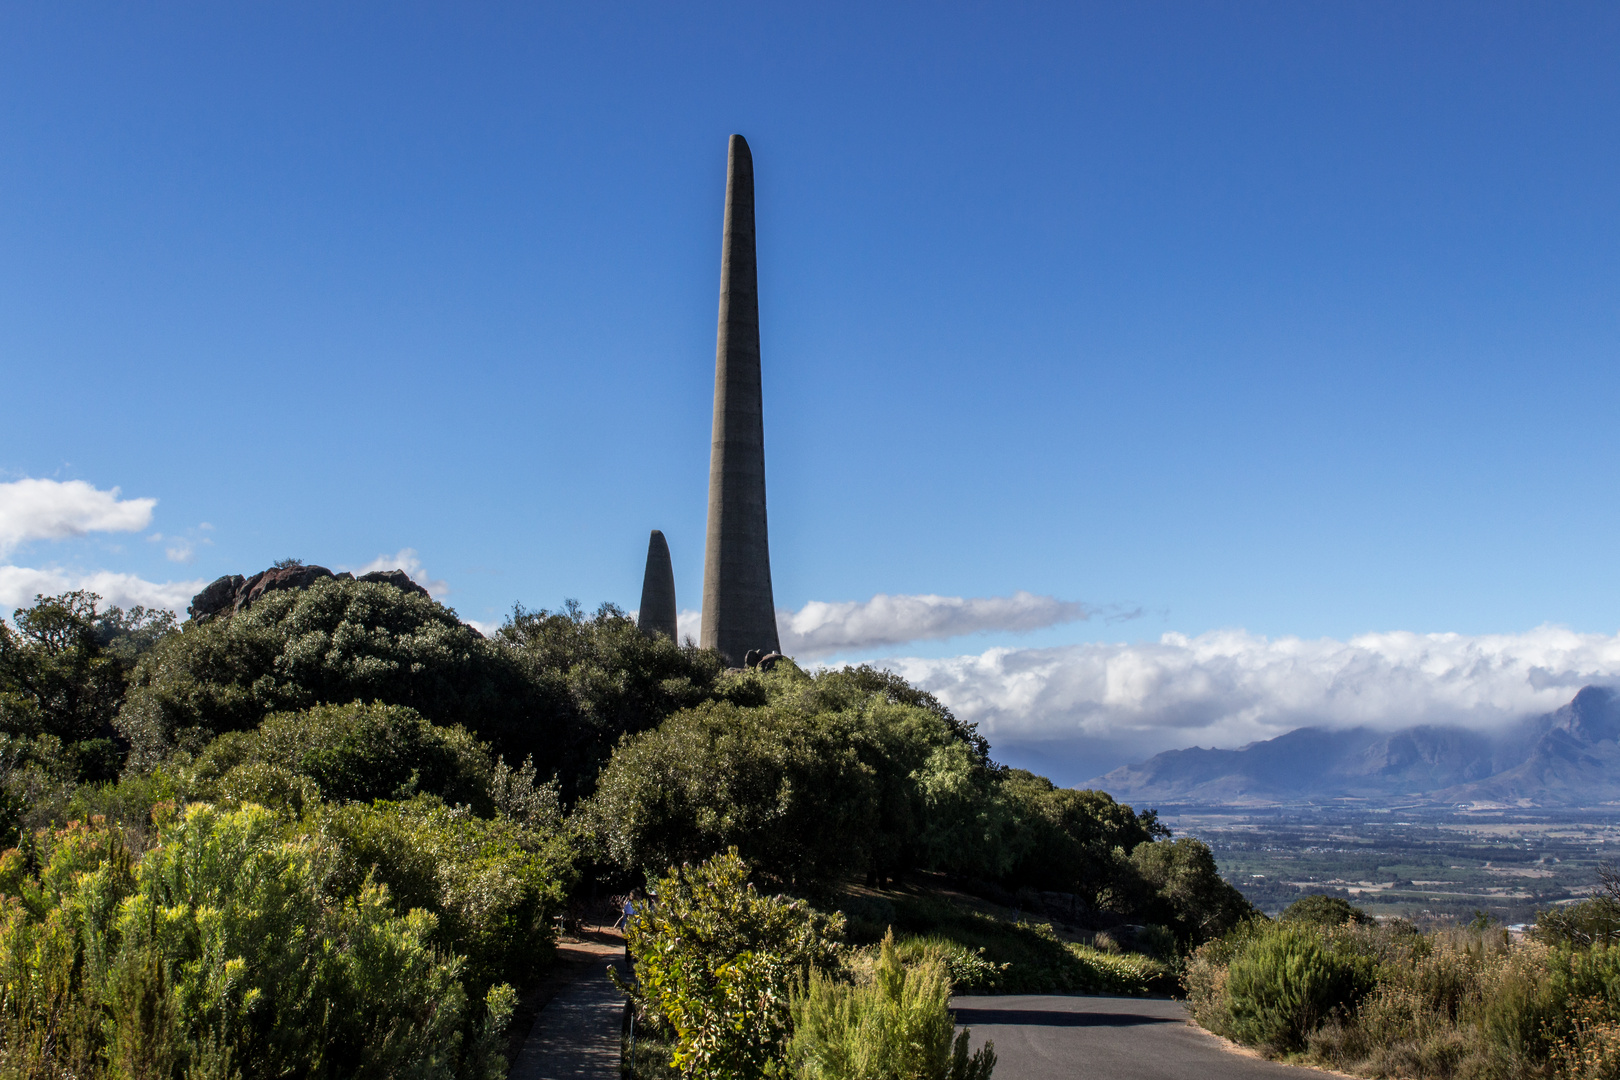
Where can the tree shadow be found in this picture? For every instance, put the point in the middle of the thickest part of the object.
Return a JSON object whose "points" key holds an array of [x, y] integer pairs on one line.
{"points": [[1056, 1018]]}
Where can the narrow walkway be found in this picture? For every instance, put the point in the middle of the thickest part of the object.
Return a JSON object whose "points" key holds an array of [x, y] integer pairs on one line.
{"points": [[576, 1035]]}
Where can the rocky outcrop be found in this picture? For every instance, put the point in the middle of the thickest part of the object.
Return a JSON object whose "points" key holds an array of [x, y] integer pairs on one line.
{"points": [[233, 592], [220, 596], [399, 579]]}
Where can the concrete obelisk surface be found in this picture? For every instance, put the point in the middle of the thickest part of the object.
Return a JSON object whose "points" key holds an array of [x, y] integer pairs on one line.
{"points": [[739, 613], [657, 612]]}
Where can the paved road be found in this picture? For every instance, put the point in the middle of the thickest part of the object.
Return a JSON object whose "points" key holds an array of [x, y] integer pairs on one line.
{"points": [[1044, 1037]]}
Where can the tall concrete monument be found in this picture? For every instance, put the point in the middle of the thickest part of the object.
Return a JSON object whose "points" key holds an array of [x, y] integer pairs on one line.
{"points": [[739, 613], [657, 612]]}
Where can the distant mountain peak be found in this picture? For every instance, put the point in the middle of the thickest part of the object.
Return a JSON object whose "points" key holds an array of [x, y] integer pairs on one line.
{"points": [[1565, 758]]}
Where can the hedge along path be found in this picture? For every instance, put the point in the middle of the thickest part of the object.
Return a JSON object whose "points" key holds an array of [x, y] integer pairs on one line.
{"points": [[576, 1035]]}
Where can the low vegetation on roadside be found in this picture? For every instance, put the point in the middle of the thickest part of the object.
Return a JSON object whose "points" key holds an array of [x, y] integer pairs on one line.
{"points": [[1325, 985], [737, 983]]}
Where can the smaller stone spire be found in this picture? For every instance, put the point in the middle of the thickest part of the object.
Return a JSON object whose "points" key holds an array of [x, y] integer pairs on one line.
{"points": [[657, 613]]}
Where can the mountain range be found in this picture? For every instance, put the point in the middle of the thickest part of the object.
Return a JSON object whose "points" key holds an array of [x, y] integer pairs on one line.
{"points": [[1569, 757]]}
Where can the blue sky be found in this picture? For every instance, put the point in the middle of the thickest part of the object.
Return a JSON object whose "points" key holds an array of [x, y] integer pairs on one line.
{"points": [[1294, 320]]}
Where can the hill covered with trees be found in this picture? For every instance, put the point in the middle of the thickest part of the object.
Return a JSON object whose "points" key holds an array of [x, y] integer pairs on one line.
{"points": [[338, 816]]}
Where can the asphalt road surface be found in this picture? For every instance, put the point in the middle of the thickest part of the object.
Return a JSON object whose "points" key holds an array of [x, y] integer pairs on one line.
{"points": [[1046, 1037]]}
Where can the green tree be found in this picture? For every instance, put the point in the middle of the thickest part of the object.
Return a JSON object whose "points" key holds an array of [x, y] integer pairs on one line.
{"points": [[822, 778], [1322, 910], [601, 678], [789, 790], [1065, 840], [63, 672], [841, 688], [558, 688], [1183, 889], [336, 642]]}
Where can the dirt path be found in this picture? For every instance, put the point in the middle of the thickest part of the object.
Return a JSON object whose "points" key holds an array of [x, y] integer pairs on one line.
{"points": [[567, 1026]]}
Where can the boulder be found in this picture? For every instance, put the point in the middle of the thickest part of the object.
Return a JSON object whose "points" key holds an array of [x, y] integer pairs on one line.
{"points": [[233, 592], [216, 598], [277, 578], [399, 579]]}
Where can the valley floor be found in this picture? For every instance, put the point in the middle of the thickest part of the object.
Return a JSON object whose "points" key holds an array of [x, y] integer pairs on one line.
{"points": [[1420, 864]]}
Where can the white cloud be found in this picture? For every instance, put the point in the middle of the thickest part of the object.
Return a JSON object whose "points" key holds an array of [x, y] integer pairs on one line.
{"points": [[58, 509], [20, 584], [182, 549], [1227, 688], [822, 629], [408, 560]]}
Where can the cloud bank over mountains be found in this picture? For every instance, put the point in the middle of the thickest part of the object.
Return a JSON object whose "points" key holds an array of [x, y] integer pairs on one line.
{"points": [[1079, 710], [1096, 704]]}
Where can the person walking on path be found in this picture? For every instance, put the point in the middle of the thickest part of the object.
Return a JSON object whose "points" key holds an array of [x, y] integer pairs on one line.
{"points": [[628, 913]]}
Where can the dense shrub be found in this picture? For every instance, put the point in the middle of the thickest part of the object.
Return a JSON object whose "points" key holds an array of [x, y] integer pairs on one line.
{"points": [[493, 885], [841, 773], [1389, 1001], [786, 789], [716, 961], [224, 951], [1593, 921], [1284, 984], [1321, 910], [895, 1026], [335, 642], [968, 970], [357, 752], [822, 778], [560, 688]]}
